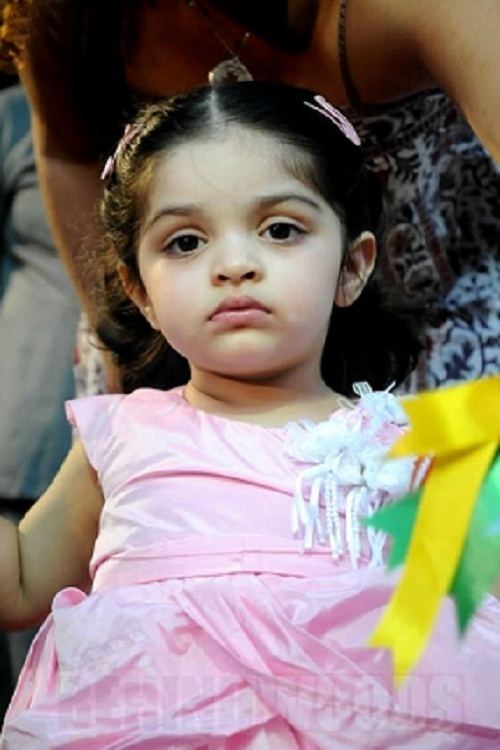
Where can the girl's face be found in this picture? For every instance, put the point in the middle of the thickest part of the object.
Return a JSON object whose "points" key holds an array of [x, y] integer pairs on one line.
{"points": [[240, 260]]}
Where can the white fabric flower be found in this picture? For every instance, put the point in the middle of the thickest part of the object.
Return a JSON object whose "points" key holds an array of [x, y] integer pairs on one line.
{"points": [[350, 475]]}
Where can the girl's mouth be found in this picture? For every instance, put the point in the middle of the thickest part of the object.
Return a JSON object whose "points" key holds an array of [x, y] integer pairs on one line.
{"points": [[240, 311]]}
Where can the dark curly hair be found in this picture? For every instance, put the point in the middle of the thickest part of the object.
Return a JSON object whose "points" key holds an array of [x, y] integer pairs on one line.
{"points": [[364, 342]]}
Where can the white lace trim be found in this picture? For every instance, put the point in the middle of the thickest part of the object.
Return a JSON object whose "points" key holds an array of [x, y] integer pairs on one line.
{"points": [[350, 475]]}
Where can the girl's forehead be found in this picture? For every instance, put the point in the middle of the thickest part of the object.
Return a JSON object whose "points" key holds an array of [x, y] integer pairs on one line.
{"points": [[229, 161], [227, 133]]}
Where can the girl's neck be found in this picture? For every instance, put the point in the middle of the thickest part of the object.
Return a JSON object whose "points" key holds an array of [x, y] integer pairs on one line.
{"points": [[267, 403]]}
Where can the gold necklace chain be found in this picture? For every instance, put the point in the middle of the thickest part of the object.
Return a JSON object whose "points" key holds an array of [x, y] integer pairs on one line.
{"points": [[232, 69]]}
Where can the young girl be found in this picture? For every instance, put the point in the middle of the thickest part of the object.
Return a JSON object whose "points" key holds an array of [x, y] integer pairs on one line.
{"points": [[231, 586]]}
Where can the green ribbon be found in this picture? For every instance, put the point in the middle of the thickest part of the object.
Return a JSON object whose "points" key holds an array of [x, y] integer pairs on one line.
{"points": [[479, 564]]}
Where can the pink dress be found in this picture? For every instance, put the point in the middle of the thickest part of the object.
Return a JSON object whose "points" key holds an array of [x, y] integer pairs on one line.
{"points": [[234, 592]]}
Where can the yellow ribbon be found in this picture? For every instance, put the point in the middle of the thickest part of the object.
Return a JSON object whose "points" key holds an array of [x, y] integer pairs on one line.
{"points": [[460, 427]]}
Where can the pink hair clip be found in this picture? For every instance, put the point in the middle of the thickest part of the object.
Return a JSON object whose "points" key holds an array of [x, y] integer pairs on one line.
{"points": [[128, 134], [328, 110], [108, 168]]}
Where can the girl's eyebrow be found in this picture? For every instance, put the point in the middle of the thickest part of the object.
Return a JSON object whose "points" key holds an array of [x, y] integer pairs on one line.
{"points": [[183, 209], [260, 202], [266, 201]]}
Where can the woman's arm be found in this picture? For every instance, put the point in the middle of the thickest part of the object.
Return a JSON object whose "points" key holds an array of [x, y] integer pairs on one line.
{"points": [[71, 69], [396, 48], [53, 545], [71, 190], [458, 43]]}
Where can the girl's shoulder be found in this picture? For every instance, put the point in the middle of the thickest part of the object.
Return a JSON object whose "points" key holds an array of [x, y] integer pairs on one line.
{"points": [[110, 403], [97, 418]]}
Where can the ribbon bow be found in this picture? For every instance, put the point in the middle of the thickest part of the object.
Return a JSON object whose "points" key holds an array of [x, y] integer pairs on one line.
{"points": [[449, 530]]}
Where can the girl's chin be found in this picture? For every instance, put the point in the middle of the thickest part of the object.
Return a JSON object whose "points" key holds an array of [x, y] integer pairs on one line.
{"points": [[242, 367], [245, 374], [247, 359]]}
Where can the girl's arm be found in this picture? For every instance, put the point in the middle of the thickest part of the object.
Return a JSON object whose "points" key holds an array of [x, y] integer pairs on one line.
{"points": [[53, 545]]}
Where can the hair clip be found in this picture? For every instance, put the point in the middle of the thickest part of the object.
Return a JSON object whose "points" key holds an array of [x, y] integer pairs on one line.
{"points": [[128, 135], [334, 115]]}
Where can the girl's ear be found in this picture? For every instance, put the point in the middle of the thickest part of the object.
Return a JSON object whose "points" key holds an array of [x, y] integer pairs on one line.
{"points": [[356, 269], [136, 292]]}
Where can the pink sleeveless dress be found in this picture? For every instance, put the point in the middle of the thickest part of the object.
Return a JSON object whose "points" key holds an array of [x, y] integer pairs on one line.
{"points": [[233, 594]]}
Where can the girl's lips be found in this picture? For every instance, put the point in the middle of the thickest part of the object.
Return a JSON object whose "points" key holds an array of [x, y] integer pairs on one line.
{"points": [[240, 317], [238, 306]]}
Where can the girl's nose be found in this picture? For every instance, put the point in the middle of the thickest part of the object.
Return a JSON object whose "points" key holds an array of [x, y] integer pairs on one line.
{"points": [[236, 263]]}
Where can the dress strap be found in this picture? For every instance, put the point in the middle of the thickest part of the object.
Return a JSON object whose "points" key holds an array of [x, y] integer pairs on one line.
{"points": [[350, 88]]}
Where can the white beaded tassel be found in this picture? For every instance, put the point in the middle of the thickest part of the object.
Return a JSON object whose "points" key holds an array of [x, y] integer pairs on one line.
{"points": [[333, 528], [314, 510], [300, 515], [352, 531], [307, 514]]}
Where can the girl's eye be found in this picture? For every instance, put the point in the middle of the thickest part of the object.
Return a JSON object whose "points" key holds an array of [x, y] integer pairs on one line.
{"points": [[281, 231], [184, 244]]}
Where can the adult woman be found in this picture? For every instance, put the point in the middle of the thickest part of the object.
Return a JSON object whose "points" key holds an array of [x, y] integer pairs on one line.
{"points": [[440, 245]]}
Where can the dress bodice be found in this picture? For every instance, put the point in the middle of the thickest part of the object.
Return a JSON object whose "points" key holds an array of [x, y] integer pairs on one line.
{"points": [[187, 492]]}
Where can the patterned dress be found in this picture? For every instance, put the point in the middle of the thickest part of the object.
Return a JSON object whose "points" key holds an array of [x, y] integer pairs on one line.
{"points": [[439, 254]]}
